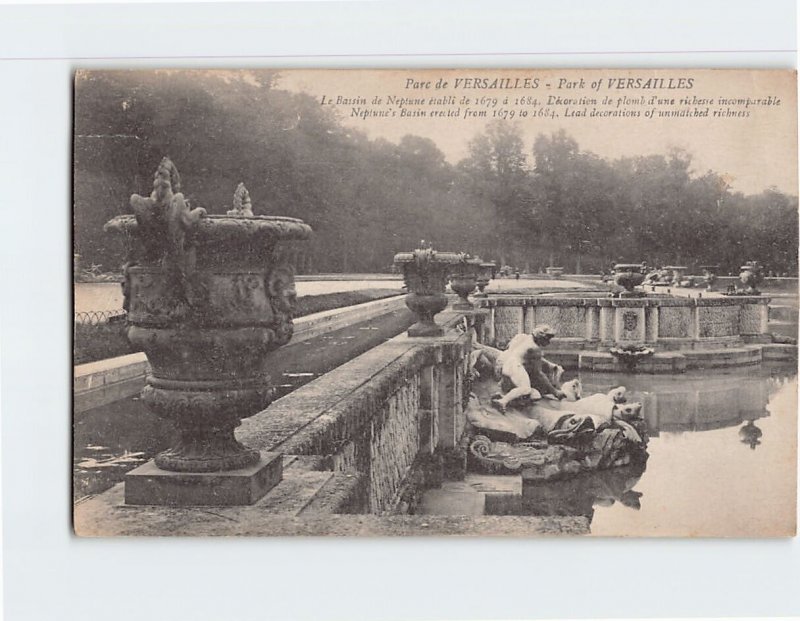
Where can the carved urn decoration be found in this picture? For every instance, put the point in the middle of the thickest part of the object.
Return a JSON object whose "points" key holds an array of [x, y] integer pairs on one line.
{"points": [[425, 273], [631, 355], [208, 297], [629, 276], [485, 275], [751, 277], [464, 279]]}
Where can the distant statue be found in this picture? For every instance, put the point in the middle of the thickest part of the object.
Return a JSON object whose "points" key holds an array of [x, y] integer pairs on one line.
{"points": [[659, 276], [241, 202]]}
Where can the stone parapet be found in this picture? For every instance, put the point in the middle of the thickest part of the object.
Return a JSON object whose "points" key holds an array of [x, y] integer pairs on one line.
{"points": [[375, 414]]}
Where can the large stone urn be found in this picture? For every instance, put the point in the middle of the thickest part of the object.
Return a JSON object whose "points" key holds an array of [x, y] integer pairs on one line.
{"points": [[629, 276], [425, 273], [751, 276], [464, 280], [208, 297]]}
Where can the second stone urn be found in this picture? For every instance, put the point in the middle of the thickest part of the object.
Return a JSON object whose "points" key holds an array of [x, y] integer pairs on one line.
{"points": [[425, 273], [751, 277], [208, 297], [629, 276], [464, 279]]}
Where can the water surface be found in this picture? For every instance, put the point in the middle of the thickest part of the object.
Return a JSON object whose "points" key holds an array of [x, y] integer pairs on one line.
{"points": [[722, 462]]}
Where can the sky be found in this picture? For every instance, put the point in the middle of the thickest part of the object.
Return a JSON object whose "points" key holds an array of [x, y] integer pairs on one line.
{"points": [[755, 149]]}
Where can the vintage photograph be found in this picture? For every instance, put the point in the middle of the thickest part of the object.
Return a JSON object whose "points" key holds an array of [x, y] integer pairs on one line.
{"points": [[490, 302]]}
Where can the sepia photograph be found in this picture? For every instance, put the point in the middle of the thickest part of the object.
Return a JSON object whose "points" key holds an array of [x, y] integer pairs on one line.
{"points": [[451, 302]]}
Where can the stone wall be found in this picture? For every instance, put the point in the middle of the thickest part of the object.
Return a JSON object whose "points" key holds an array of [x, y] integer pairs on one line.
{"points": [[674, 322], [392, 441], [377, 414]]}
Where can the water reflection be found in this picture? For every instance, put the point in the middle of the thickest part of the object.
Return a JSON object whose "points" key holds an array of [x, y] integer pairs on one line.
{"points": [[110, 440], [750, 434], [578, 496], [107, 444], [699, 479], [695, 401]]}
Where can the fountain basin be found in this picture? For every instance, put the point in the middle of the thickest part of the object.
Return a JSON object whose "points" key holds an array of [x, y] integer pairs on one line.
{"points": [[684, 332]]}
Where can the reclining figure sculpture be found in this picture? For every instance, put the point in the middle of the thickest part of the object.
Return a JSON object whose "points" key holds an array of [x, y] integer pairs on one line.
{"points": [[531, 423]]}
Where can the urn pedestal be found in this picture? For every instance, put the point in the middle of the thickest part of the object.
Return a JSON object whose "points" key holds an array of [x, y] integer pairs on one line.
{"points": [[425, 273], [208, 297]]}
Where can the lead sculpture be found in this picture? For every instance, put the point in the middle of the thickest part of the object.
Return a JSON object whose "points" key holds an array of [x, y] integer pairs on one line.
{"points": [[521, 416]]}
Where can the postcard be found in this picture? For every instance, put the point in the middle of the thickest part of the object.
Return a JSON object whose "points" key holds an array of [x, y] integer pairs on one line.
{"points": [[490, 302]]}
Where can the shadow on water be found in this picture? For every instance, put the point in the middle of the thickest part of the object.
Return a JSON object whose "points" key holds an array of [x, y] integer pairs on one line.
{"points": [[577, 496], [111, 440], [108, 444]]}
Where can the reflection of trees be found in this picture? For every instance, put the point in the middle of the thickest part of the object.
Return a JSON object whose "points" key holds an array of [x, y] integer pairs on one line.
{"points": [[576, 496]]}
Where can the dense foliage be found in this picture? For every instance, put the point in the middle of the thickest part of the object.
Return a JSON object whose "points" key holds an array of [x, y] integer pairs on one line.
{"points": [[518, 204]]}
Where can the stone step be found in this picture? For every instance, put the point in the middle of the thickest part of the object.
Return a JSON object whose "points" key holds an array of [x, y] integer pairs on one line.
{"points": [[297, 489], [779, 352], [716, 358]]}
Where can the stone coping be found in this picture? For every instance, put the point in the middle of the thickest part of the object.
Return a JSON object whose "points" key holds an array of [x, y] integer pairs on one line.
{"points": [[496, 300], [315, 324], [85, 373], [319, 416], [289, 512], [238, 229], [102, 382]]}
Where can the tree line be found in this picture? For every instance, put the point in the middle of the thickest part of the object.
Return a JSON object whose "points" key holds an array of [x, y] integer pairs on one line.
{"points": [[529, 206]]}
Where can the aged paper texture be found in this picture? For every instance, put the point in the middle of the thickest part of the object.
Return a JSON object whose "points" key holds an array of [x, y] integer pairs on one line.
{"points": [[444, 301]]}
